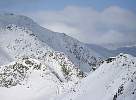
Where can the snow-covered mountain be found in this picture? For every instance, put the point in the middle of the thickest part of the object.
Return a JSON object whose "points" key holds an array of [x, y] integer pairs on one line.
{"points": [[30, 79], [20, 43], [33, 35], [38, 64], [33, 58], [28, 63], [115, 79]]}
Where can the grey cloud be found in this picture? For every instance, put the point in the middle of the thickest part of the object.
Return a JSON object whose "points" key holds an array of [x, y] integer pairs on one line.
{"points": [[112, 25]]}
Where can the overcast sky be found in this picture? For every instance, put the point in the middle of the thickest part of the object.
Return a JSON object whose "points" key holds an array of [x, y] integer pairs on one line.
{"points": [[90, 21]]}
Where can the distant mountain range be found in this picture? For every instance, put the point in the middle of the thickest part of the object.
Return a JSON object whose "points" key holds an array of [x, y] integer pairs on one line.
{"points": [[108, 53]]}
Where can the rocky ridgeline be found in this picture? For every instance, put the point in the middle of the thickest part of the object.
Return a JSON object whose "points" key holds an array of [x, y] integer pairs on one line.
{"points": [[19, 71], [16, 72]]}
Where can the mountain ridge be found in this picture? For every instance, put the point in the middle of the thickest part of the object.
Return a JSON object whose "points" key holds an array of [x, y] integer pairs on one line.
{"points": [[78, 52], [114, 80]]}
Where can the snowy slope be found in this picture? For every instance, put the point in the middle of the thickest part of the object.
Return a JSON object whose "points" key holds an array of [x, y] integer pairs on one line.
{"points": [[29, 79], [21, 43], [114, 80], [4, 57], [77, 52]]}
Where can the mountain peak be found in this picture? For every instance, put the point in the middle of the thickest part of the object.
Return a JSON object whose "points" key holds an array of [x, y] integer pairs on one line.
{"points": [[19, 20]]}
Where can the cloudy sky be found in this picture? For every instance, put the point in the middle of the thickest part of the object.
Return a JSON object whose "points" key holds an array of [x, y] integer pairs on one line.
{"points": [[90, 21]]}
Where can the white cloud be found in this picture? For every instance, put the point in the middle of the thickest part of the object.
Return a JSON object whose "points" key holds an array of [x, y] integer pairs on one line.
{"points": [[61, 27], [111, 25]]}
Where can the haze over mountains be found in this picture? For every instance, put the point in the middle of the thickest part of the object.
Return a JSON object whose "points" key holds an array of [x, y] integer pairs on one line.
{"points": [[34, 60], [113, 52]]}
